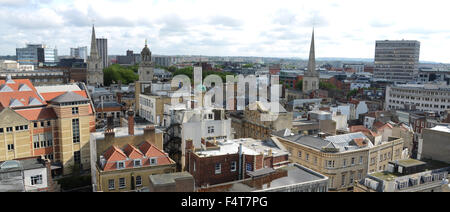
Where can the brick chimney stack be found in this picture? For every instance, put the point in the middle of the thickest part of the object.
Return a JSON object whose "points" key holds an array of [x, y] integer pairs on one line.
{"points": [[130, 114], [119, 98], [110, 121]]}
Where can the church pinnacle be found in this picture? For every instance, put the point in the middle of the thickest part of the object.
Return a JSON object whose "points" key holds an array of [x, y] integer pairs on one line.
{"points": [[94, 50], [312, 58]]}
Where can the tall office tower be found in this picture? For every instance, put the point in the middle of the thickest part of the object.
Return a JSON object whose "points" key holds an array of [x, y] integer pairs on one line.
{"points": [[50, 56], [32, 54], [94, 64], [311, 76], [397, 60], [80, 52], [102, 47]]}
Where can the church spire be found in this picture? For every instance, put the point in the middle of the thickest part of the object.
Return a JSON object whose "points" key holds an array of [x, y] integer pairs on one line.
{"points": [[94, 50], [312, 58]]}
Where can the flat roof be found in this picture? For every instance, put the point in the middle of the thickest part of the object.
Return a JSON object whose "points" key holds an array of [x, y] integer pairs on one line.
{"points": [[445, 129], [295, 174], [162, 179], [250, 146], [123, 132], [429, 165], [409, 162]]}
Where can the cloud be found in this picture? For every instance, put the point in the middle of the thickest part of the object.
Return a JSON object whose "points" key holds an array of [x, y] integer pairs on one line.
{"points": [[233, 27]]}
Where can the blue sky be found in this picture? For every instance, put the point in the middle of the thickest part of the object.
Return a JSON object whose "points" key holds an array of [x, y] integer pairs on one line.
{"points": [[281, 28]]}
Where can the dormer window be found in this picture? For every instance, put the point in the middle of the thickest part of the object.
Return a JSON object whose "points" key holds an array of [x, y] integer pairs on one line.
{"points": [[137, 163], [120, 164], [153, 161]]}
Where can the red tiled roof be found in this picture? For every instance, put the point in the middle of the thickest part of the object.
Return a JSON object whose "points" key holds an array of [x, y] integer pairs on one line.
{"points": [[150, 151], [383, 126], [37, 114], [132, 152], [377, 125], [51, 95], [360, 142], [361, 128], [114, 154], [22, 96]]}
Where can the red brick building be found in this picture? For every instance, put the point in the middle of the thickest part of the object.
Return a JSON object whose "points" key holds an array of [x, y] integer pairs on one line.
{"points": [[227, 161]]}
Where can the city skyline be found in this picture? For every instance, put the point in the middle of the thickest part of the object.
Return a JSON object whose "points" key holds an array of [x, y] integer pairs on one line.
{"points": [[269, 29]]}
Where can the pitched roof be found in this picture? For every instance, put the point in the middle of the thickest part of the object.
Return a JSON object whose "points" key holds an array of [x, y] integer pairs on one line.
{"points": [[69, 97], [151, 151], [360, 142], [132, 152], [48, 96], [13, 96], [361, 128], [51, 95], [114, 154], [37, 114]]}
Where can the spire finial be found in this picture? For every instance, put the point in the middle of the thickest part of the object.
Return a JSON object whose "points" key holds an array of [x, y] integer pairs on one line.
{"points": [[146, 42]]}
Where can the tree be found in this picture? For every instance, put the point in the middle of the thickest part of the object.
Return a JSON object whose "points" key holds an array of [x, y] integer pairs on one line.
{"points": [[327, 86], [352, 93], [299, 85], [116, 72]]}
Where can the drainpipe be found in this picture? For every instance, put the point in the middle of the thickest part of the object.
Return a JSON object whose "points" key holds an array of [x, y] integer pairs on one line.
{"points": [[240, 163]]}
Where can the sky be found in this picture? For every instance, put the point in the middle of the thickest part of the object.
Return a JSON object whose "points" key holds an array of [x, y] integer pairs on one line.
{"points": [[275, 28]]}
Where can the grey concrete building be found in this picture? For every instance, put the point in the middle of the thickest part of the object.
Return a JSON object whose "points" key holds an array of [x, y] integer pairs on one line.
{"points": [[102, 48], [407, 175], [435, 144], [424, 97], [171, 182], [80, 52], [397, 60]]}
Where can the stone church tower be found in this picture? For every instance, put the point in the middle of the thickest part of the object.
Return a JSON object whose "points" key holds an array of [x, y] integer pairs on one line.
{"points": [[311, 76], [146, 66], [94, 64]]}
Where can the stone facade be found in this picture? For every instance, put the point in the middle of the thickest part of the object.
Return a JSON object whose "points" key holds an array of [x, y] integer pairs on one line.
{"points": [[94, 64]]}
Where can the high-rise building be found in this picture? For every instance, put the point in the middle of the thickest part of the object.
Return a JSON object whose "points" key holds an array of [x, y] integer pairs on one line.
{"points": [[102, 48], [397, 60], [95, 64], [35, 54], [32, 54], [311, 76], [50, 56], [80, 52]]}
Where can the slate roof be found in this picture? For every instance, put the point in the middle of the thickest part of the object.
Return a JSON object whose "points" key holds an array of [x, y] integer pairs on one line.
{"points": [[341, 142], [69, 97]]}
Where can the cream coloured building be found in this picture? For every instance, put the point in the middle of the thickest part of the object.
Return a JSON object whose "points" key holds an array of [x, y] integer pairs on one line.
{"points": [[342, 158]]}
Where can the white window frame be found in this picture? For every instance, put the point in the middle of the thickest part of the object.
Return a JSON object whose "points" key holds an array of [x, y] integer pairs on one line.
{"points": [[137, 160], [218, 168], [120, 162], [138, 184], [124, 182], [154, 163], [36, 179], [113, 184], [233, 166]]}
